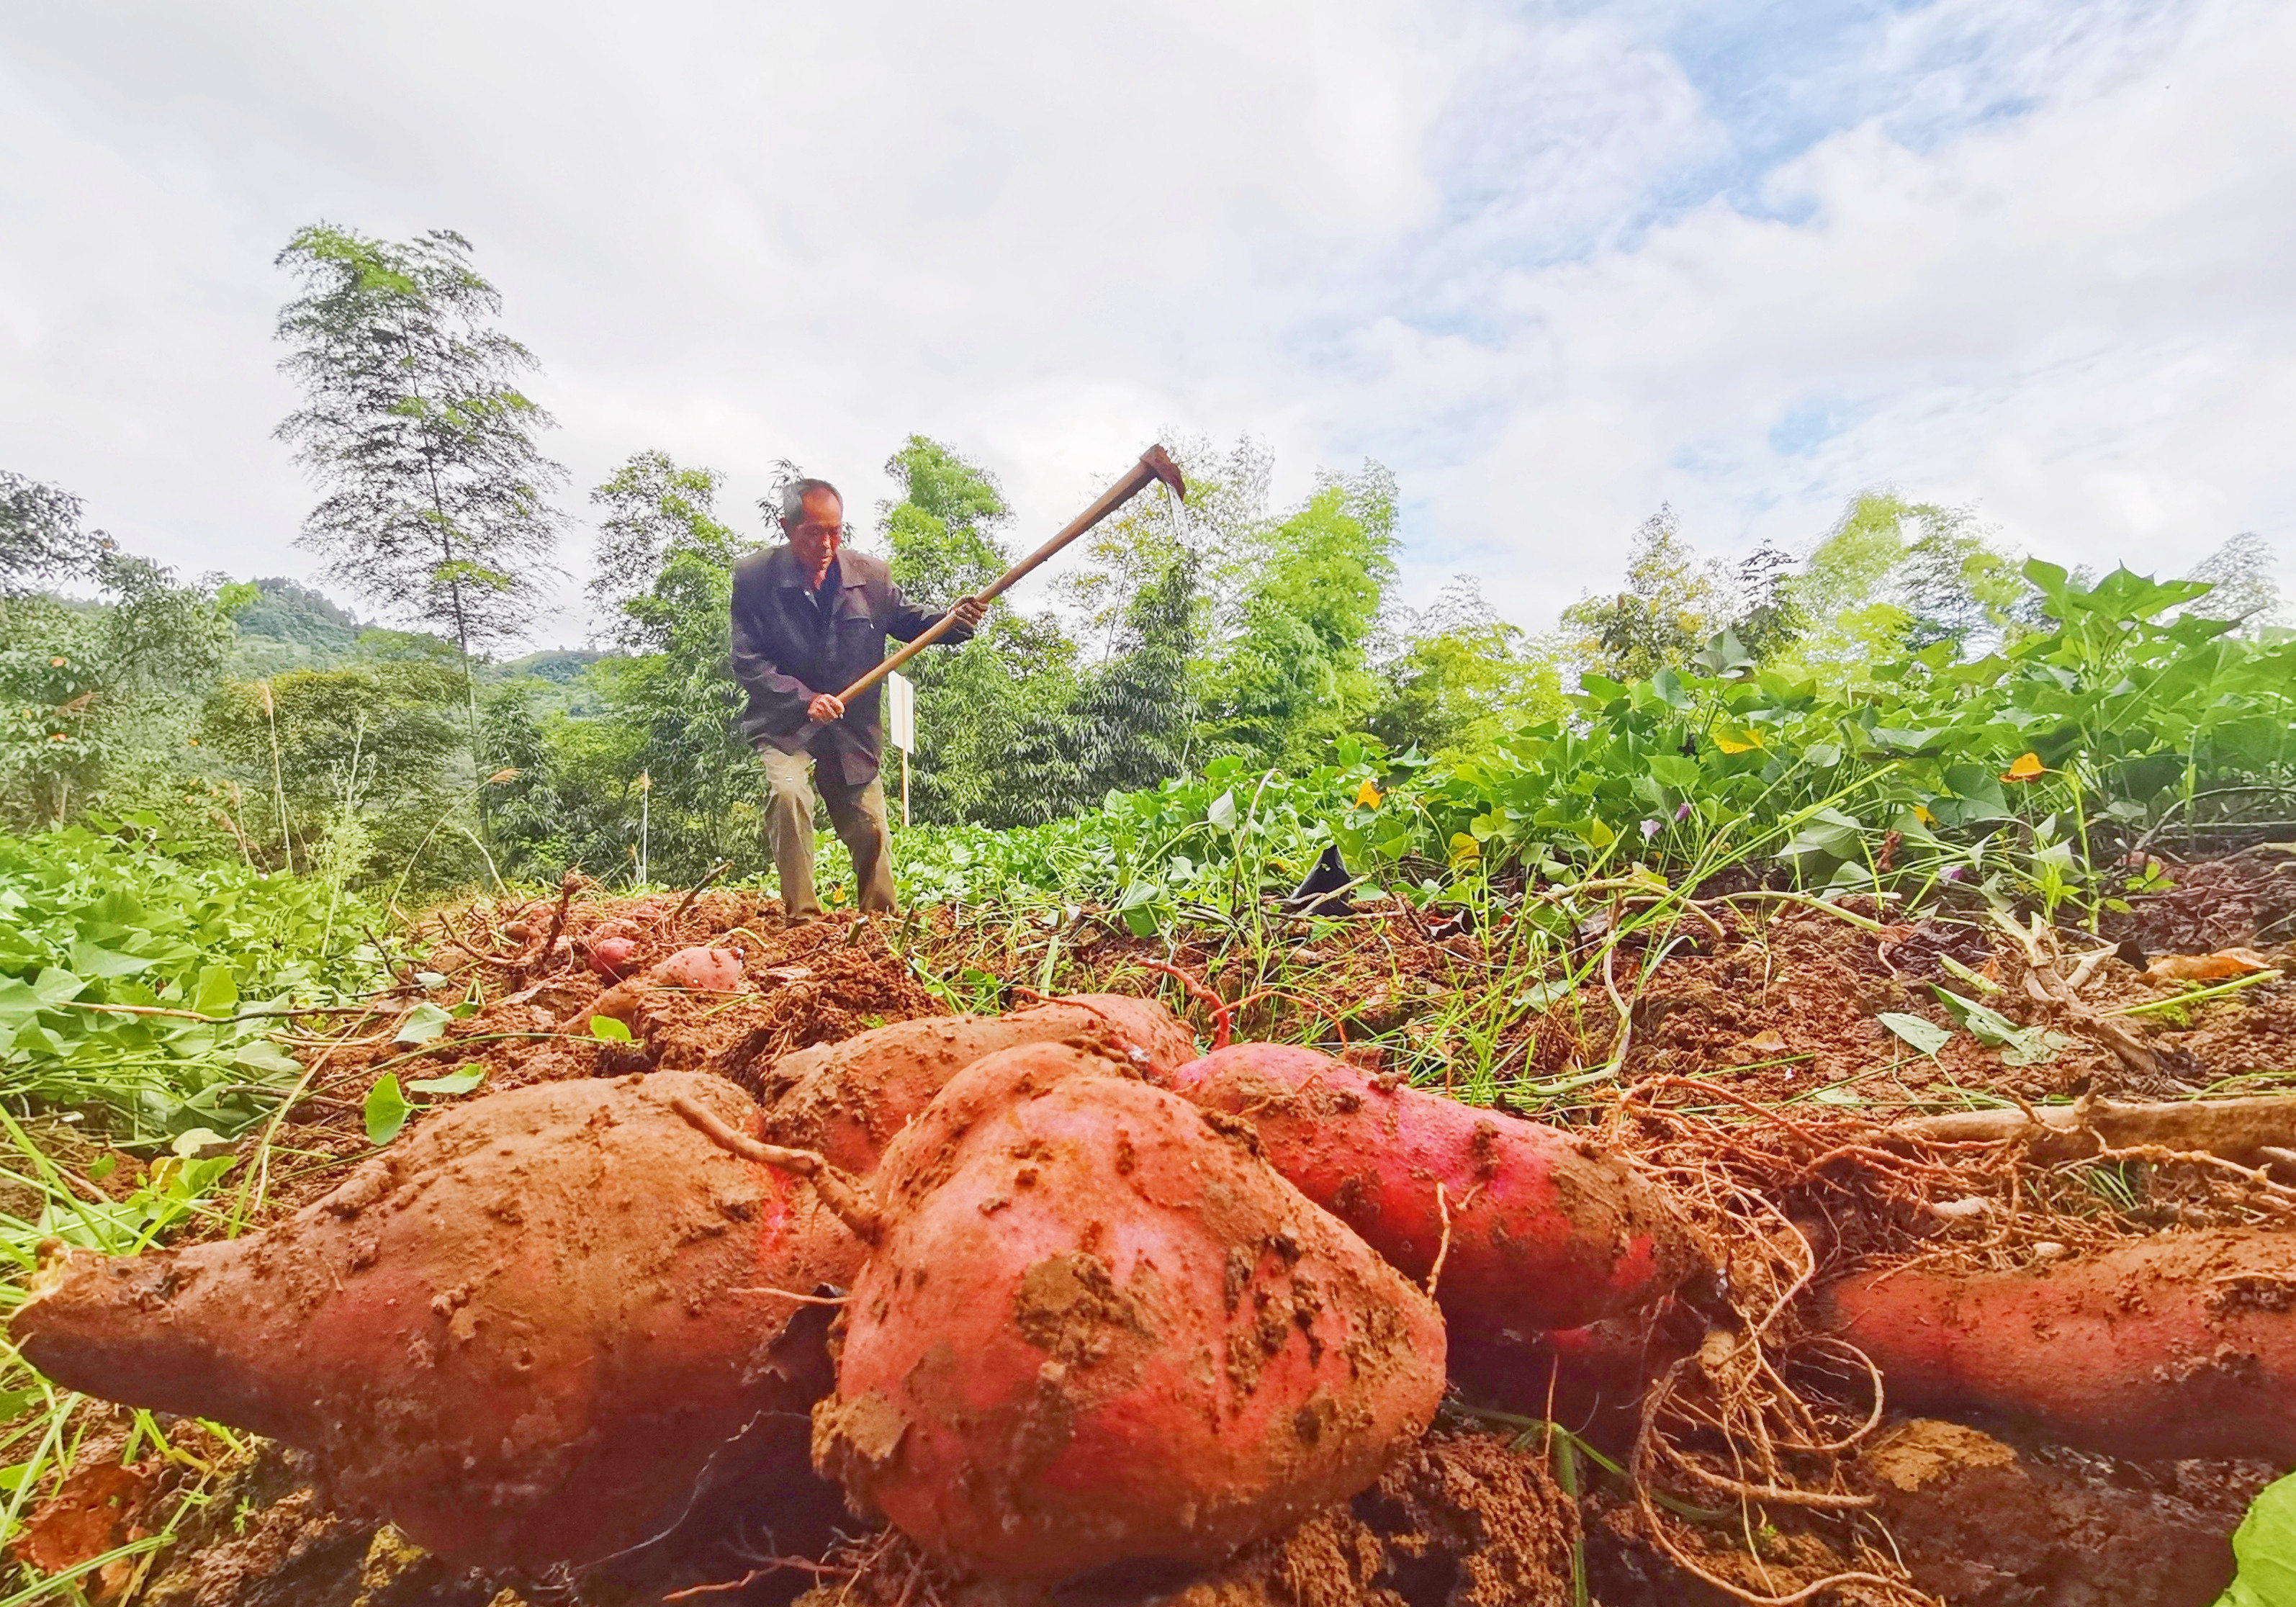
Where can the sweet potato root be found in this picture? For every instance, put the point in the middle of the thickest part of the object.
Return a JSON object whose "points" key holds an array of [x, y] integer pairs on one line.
{"points": [[1546, 1232], [847, 1099], [2183, 1345], [1099, 1328], [522, 1333]]}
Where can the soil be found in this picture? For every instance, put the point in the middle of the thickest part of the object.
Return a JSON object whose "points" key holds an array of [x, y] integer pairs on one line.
{"points": [[1464, 1520], [1770, 1004]]}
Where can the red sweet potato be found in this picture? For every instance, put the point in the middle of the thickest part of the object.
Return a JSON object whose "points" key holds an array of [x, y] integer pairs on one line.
{"points": [[847, 1099], [2183, 1345], [1546, 1231], [613, 958], [701, 969], [1097, 1328], [521, 1333]]}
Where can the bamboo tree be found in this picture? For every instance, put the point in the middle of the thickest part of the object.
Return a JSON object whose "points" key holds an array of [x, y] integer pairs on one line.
{"points": [[435, 487]]}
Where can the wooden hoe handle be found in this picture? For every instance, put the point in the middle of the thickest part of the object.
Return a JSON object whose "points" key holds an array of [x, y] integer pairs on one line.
{"points": [[1154, 464]]}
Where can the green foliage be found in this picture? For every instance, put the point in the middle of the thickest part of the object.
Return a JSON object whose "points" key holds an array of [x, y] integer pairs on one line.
{"points": [[1894, 576], [91, 697], [435, 486], [2264, 1544], [317, 755], [664, 722], [1463, 676], [177, 953], [1290, 671], [42, 541], [1669, 605], [2126, 707]]}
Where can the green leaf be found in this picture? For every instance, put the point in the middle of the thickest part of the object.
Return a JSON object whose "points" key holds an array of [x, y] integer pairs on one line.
{"points": [[1542, 994], [1222, 814], [94, 960], [1839, 1096], [1927, 1036], [457, 1082], [2264, 1547], [265, 1059], [387, 1109], [608, 1029], [424, 1022], [216, 992], [2019, 1045], [55, 986]]}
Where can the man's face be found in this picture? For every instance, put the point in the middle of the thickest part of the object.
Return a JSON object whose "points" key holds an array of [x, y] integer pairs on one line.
{"points": [[818, 531]]}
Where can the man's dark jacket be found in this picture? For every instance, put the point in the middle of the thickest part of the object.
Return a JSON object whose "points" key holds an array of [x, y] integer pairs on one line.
{"points": [[791, 644]]}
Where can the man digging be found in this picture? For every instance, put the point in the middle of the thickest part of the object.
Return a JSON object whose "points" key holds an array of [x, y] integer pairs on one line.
{"points": [[807, 615]]}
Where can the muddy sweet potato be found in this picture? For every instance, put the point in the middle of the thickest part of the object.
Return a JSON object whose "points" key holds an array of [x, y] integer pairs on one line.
{"points": [[847, 1100], [1098, 1328], [614, 958], [1546, 1231], [522, 1333], [2182, 1345], [700, 969]]}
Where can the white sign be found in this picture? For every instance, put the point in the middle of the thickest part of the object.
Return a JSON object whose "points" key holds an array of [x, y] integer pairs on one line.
{"points": [[901, 711]]}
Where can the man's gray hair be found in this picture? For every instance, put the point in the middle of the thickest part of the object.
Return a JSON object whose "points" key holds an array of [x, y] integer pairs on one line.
{"points": [[794, 496]]}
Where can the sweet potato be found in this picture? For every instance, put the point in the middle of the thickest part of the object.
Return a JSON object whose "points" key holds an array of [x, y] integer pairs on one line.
{"points": [[613, 958], [1546, 1231], [1098, 1328], [522, 1332], [847, 1100], [702, 969], [2183, 1345]]}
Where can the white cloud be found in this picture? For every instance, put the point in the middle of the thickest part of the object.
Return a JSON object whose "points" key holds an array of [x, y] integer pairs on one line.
{"points": [[1553, 268]]}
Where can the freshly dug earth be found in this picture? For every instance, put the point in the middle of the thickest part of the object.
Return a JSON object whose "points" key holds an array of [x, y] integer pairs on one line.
{"points": [[1098, 1329], [1782, 1004], [1984, 1527], [524, 1333], [1460, 1521]]}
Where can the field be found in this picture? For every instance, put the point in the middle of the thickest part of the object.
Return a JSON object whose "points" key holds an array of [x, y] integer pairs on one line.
{"points": [[1745, 930]]}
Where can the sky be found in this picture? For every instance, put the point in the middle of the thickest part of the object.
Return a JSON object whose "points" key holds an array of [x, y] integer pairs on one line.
{"points": [[1554, 265]]}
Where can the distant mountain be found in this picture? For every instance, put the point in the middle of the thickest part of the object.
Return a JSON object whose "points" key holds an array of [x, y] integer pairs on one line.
{"points": [[290, 626], [561, 666]]}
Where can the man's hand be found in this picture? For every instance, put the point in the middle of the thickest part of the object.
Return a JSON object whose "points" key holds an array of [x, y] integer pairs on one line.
{"points": [[970, 613], [825, 709]]}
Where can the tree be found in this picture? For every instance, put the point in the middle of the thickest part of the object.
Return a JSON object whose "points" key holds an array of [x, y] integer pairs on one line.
{"points": [[993, 716], [91, 697], [667, 725], [1292, 670], [1135, 718], [1458, 676], [435, 486], [1666, 613], [1894, 576], [2242, 584], [1765, 615], [41, 539], [357, 755], [656, 512]]}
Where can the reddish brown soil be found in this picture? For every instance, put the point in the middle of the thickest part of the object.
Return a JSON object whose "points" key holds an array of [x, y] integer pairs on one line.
{"points": [[1462, 1521], [1779, 1006]]}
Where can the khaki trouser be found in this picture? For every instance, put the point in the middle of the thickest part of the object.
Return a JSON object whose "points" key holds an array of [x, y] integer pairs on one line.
{"points": [[856, 814]]}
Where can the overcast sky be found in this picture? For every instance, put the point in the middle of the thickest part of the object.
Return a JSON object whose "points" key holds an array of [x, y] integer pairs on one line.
{"points": [[1554, 265]]}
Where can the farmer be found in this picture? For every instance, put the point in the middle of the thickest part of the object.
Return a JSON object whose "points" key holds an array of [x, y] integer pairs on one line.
{"points": [[809, 618]]}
